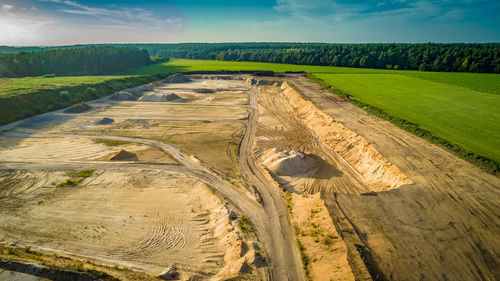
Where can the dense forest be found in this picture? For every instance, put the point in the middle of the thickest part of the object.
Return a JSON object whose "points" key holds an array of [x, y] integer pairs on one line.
{"points": [[91, 60], [112, 58], [427, 57]]}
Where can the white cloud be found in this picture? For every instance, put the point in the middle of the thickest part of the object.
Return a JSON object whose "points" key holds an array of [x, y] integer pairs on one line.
{"points": [[121, 17], [338, 10], [20, 27]]}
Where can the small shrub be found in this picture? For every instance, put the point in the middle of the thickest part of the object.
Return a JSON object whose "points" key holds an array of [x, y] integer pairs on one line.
{"points": [[79, 267], [245, 225], [11, 251], [327, 240], [65, 95], [48, 75], [91, 92]]}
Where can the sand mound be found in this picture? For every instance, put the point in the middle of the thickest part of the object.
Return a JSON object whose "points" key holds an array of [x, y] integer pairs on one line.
{"points": [[105, 121], [161, 97], [78, 108], [177, 78], [288, 163], [124, 155], [122, 96]]}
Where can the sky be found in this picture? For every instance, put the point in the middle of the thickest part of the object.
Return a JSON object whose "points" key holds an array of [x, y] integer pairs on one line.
{"points": [[66, 22]]}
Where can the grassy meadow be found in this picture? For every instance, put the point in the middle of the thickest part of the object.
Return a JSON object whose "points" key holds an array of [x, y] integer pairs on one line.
{"points": [[462, 116], [485, 82], [16, 86]]}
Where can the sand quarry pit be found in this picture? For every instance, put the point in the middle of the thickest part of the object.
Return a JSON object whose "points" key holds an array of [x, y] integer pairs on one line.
{"points": [[245, 179]]}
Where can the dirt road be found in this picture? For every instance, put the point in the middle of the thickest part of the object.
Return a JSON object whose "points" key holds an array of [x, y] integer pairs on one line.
{"points": [[284, 259]]}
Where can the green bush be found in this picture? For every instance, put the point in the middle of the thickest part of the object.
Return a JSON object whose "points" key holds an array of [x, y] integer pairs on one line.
{"points": [[91, 93], [65, 95]]}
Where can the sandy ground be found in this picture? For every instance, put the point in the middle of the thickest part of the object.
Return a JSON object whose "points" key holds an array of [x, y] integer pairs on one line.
{"points": [[118, 215], [54, 149], [147, 217], [325, 249], [214, 143]]}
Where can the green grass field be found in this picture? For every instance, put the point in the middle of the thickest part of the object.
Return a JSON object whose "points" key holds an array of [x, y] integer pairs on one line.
{"points": [[462, 116], [16, 86], [178, 65], [489, 83]]}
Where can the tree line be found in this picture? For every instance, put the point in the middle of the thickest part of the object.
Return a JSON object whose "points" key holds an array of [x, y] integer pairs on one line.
{"points": [[91, 60], [426, 57], [112, 58]]}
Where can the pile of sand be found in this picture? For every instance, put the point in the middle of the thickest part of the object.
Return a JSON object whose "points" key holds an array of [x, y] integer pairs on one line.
{"points": [[177, 78], [105, 121], [288, 163], [122, 96], [78, 108], [124, 155], [161, 97]]}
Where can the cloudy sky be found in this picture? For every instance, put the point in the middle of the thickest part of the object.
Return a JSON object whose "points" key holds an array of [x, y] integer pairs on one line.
{"points": [[58, 22]]}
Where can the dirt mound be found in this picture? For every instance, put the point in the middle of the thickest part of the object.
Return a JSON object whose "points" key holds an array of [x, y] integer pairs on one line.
{"points": [[124, 155], [122, 96], [105, 121], [161, 97], [177, 78], [288, 163], [78, 108]]}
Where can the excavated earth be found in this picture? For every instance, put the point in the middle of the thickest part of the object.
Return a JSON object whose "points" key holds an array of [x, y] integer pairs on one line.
{"points": [[229, 177]]}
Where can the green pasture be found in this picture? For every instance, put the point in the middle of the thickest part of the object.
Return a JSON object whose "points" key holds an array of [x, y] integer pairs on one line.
{"points": [[468, 118], [17, 86]]}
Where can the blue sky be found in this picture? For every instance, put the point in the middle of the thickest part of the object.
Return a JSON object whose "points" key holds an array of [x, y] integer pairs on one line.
{"points": [[56, 22]]}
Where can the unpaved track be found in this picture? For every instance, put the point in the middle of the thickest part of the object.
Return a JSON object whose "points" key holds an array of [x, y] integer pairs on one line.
{"points": [[283, 254]]}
